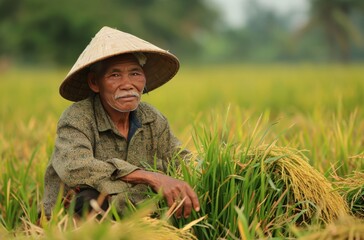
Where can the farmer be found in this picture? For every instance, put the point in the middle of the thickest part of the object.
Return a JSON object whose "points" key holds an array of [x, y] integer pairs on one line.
{"points": [[107, 139]]}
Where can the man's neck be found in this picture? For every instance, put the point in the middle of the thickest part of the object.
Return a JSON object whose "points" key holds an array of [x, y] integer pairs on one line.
{"points": [[120, 120]]}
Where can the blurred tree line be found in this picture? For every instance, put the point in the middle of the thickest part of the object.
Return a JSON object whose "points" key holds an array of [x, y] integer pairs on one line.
{"points": [[55, 32]]}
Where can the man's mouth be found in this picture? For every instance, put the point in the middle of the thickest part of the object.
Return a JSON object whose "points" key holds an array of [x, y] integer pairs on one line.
{"points": [[127, 95]]}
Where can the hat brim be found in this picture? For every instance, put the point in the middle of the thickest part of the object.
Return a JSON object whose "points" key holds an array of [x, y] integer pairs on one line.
{"points": [[159, 69]]}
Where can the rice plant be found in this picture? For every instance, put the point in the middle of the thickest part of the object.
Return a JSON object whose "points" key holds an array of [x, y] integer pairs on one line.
{"points": [[352, 188], [266, 188], [100, 225], [19, 195], [293, 133]]}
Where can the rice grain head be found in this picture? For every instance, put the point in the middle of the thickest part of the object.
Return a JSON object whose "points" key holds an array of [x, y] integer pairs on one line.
{"points": [[306, 183]]}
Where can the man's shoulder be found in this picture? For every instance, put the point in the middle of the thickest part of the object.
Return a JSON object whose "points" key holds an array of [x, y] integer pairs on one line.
{"points": [[79, 111], [150, 112], [144, 106]]}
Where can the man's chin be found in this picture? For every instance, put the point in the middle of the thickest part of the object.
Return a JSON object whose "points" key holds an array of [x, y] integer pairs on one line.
{"points": [[126, 109]]}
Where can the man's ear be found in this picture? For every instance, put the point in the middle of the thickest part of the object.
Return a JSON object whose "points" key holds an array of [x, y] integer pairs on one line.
{"points": [[92, 83]]}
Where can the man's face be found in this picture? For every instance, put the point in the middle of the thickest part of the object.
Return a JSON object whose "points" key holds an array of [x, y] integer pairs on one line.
{"points": [[121, 85]]}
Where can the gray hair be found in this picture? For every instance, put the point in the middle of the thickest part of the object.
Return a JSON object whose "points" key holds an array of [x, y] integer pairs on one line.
{"points": [[142, 59]]}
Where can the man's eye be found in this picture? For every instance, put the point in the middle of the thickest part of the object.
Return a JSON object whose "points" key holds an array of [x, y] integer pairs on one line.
{"points": [[115, 75]]}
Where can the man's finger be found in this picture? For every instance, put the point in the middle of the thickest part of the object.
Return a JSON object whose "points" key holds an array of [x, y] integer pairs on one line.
{"points": [[179, 206], [169, 200], [187, 207], [194, 199]]}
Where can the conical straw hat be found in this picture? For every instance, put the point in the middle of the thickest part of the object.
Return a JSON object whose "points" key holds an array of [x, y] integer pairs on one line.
{"points": [[160, 67]]}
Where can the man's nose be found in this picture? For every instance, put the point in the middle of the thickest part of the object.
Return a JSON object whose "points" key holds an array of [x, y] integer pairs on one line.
{"points": [[125, 82]]}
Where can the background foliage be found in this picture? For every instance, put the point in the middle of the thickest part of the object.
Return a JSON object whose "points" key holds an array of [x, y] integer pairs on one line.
{"points": [[49, 32]]}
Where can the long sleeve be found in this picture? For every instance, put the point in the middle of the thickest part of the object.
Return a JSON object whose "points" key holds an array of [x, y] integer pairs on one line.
{"points": [[74, 161], [88, 150]]}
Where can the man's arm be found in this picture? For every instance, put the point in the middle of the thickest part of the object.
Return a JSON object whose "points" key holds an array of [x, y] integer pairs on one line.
{"points": [[74, 162]]}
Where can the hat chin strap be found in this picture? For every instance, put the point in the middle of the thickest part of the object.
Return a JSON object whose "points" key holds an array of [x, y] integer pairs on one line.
{"points": [[145, 90]]}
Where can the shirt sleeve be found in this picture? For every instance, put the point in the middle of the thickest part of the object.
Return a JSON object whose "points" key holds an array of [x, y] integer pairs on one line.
{"points": [[74, 162], [169, 147]]}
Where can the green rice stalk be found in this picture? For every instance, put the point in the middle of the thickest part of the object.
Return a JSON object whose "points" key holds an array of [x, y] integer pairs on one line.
{"points": [[352, 188], [274, 188], [18, 196]]}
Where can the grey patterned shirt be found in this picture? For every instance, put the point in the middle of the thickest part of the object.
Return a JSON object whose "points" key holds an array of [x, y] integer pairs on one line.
{"points": [[90, 152]]}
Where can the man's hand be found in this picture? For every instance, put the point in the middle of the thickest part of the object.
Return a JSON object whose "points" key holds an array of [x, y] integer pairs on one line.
{"points": [[173, 190]]}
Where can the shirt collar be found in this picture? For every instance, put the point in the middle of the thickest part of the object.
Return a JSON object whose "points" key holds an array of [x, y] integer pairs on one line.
{"points": [[138, 117], [102, 118]]}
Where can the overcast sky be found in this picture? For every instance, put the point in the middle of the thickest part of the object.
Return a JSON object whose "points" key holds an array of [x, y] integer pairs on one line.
{"points": [[233, 10]]}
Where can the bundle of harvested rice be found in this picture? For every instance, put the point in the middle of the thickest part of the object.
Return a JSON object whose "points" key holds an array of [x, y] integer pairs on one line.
{"points": [[310, 191]]}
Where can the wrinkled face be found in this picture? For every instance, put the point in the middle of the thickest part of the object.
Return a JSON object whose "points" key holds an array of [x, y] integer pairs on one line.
{"points": [[120, 82]]}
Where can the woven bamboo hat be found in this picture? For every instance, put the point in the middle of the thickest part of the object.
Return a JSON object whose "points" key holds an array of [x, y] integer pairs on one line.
{"points": [[159, 68]]}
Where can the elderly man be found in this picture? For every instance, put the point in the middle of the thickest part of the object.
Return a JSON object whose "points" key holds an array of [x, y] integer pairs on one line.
{"points": [[107, 138]]}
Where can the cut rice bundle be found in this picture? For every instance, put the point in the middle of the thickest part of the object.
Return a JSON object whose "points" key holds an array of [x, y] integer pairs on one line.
{"points": [[306, 185]]}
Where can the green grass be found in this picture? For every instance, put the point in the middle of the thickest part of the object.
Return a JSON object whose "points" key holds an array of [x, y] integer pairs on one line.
{"points": [[218, 112], [266, 188]]}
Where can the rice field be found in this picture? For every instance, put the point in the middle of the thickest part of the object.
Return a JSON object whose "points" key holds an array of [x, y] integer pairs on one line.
{"points": [[279, 154]]}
